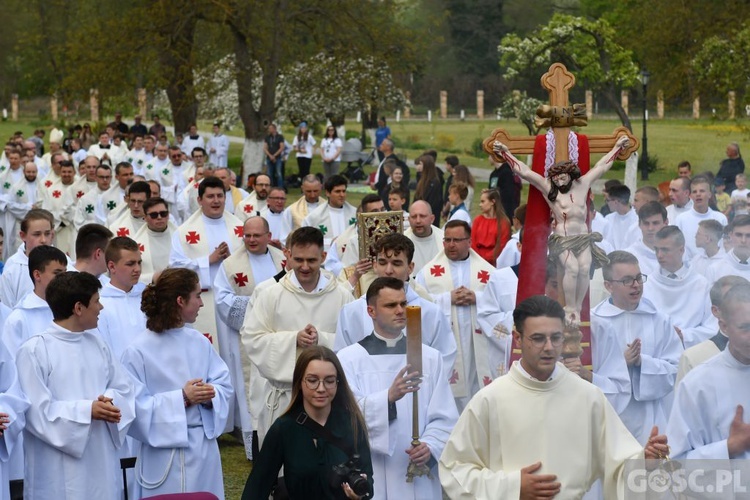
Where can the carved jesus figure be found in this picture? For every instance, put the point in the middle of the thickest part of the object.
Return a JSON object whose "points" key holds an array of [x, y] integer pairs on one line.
{"points": [[571, 243]]}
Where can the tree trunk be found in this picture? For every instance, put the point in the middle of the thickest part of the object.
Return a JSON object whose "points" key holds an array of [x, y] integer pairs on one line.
{"points": [[610, 93], [178, 68]]}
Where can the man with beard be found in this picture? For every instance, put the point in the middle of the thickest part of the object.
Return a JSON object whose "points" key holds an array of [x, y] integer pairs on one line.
{"points": [[16, 203], [253, 204], [571, 244]]}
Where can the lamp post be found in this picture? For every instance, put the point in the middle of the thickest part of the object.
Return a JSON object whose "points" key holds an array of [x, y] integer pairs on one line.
{"points": [[645, 75]]}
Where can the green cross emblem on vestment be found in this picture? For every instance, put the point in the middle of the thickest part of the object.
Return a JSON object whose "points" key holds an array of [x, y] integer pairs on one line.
{"points": [[20, 193], [323, 229], [89, 209], [6, 185], [165, 171], [149, 166], [111, 205], [352, 221]]}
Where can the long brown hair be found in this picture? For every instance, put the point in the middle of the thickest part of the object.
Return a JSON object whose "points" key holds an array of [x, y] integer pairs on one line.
{"points": [[502, 218], [344, 398], [461, 173], [159, 299], [429, 173]]}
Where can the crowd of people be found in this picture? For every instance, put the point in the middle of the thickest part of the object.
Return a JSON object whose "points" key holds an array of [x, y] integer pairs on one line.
{"points": [[149, 305]]}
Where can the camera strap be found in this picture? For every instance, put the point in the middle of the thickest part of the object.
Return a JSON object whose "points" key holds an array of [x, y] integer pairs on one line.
{"points": [[320, 431]]}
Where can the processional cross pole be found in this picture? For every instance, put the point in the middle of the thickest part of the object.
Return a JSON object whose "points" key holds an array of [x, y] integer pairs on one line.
{"points": [[558, 145]]}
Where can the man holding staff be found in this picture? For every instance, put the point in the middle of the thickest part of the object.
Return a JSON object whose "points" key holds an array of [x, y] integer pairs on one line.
{"points": [[380, 377]]}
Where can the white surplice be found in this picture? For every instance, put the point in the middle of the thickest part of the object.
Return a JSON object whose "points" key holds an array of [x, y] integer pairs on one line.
{"points": [[495, 317], [370, 368], [178, 450], [68, 454], [651, 382], [14, 403], [704, 407], [31, 316], [15, 281]]}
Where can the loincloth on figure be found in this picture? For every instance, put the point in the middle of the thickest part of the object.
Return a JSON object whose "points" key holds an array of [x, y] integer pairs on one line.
{"points": [[577, 243]]}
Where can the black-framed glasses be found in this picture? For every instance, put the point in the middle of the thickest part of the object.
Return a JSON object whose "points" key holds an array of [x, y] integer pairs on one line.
{"points": [[629, 280], [156, 215], [313, 383], [454, 240]]}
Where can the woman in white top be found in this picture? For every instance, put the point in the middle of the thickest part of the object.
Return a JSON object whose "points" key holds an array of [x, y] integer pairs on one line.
{"points": [[303, 144], [330, 150]]}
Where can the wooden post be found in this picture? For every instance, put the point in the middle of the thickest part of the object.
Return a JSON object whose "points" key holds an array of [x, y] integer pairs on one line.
{"points": [[624, 97], [142, 103], [407, 108], [480, 104], [53, 107], [443, 104], [94, 100], [731, 104], [697, 108], [589, 105], [14, 107], [660, 104]]}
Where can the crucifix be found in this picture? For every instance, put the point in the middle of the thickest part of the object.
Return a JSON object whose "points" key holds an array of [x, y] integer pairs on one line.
{"points": [[560, 179]]}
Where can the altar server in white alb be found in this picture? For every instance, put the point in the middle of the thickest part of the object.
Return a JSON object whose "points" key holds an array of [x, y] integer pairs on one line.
{"points": [[80, 411], [501, 447], [382, 382], [32, 315], [708, 418], [183, 409], [201, 243], [700, 194], [218, 147], [298, 311], [651, 218], [647, 340], [394, 260], [679, 291], [455, 279], [13, 405], [734, 261], [334, 217], [234, 285]]}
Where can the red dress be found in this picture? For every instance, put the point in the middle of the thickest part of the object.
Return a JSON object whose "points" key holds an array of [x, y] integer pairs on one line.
{"points": [[484, 237]]}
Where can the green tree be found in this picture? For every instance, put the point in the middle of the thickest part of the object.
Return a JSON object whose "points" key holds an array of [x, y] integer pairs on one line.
{"points": [[586, 47]]}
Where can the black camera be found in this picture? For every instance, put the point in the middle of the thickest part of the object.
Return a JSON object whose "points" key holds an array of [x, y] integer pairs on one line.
{"points": [[350, 472]]}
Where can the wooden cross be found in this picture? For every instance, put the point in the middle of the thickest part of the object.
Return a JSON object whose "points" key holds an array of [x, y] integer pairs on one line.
{"points": [[560, 116]]}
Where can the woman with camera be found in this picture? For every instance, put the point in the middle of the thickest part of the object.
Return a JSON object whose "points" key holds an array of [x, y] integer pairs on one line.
{"points": [[321, 440]]}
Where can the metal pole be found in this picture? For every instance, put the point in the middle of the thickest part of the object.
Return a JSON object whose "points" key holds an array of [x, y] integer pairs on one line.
{"points": [[644, 158]]}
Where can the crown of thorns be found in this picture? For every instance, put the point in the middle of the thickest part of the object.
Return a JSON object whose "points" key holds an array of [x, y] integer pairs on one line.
{"points": [[564, 167]]}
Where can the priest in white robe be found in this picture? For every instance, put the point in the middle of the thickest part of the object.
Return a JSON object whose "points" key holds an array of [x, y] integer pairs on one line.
{"points": [[13, 406], [622, 220], [80, 412], [256, 201], [679, 292], [499, 442], [394, 260], [427, 238], [377, 370], [279, 220], [218, 147], [16, 203], [201, 243], [192, 140], [647, 340], [91, 207], [233, 286], [707, 419], [335, 216], [288, 316], [495, 317], [455, 279], [155, 238], [132, 218], [309, 201], [708, 239]]}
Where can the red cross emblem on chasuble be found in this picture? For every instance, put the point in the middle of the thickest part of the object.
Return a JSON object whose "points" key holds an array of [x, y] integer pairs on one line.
{"points": [[437, 270], [238, 231], [80, 194], [192, 237], [483, 276], [56, 193], [123, 231], [240, 279], [247, 208], [141, 247], [47, 183]]}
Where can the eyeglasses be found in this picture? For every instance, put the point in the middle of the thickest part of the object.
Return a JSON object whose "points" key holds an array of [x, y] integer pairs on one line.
{"points": [[156, 215], [454, 240], [277, 198], [629, 280], [313, 383], [539, 340]]}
